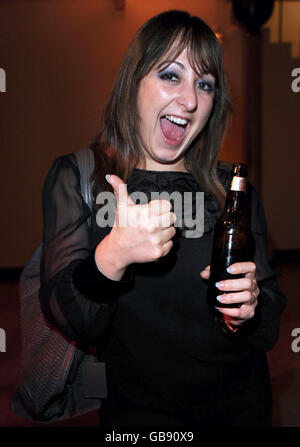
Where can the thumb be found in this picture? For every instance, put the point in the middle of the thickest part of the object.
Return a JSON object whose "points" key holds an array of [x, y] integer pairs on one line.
{"points": [[205, 274], [119, 188]]}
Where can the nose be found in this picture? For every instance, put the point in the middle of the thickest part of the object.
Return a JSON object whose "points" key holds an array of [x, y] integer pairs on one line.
{"points": [[188, 97]]}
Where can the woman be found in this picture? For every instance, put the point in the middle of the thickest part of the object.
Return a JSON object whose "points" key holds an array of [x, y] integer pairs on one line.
{"points": [[135, 290]]}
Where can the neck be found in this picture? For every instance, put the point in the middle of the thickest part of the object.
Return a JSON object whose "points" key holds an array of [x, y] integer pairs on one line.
{"points": [[152, 165]]}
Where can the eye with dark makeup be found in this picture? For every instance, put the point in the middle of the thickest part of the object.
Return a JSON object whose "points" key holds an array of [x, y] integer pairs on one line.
{"points": [[206, 85], [171, 76]]}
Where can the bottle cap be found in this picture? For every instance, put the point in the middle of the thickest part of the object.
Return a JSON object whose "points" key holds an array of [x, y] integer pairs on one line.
{"points": [[239, 170]]}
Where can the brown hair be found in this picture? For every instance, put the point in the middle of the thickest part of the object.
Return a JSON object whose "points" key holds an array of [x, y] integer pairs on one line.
{"points": [[117, 148]]}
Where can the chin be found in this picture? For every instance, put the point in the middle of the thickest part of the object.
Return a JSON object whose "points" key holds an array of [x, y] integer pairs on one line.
{"points": [[171, 155]]}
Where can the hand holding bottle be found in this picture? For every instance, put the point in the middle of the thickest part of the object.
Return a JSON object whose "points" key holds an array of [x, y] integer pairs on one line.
{"points": [[237, 291]]}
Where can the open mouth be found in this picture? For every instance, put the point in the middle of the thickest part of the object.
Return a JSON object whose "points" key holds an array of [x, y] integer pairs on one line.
{"points": [[173, 129]]}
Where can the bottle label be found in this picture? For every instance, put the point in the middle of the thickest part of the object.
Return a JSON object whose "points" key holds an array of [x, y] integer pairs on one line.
{"points": [[238, 184]]}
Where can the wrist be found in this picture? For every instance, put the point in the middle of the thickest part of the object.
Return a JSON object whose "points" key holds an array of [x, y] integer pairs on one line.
{"points": [[108, 259]]}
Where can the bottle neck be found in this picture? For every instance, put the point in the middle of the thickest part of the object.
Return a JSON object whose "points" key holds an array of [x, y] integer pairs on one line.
{"points": [[236, 200]]}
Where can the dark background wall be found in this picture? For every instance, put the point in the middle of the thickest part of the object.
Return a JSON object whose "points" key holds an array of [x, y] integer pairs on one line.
{"points": [[61, 58]]}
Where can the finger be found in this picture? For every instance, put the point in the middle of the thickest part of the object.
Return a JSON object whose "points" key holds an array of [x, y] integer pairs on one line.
{"points": [[247, 268], [154, 220], [120, 190], [235, 284], [205, 274], [232, 322], [159, 206], [240, 313], [228, 318], [245, 297], [167, 220], [232, 313], [168, 234], [163, 250], [167, 247], [163, 236]]}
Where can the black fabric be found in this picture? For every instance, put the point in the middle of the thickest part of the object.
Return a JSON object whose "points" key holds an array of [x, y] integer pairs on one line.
{"points": [[163, 349], [87, 280], [233, 406]]}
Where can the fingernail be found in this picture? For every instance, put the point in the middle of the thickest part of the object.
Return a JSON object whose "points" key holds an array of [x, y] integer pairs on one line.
{"points": [[107, 177], [231, 269], [219, 298], [219, 284]]}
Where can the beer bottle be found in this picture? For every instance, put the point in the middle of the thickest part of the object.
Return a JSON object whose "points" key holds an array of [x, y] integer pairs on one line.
{"points": [[232, 242]]}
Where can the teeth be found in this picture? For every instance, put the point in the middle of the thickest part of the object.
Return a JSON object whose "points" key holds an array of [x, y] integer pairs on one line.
{"points": [[176, 120]]}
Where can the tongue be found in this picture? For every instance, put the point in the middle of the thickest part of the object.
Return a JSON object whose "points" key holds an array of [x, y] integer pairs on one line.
{"points": [[171, 130]]}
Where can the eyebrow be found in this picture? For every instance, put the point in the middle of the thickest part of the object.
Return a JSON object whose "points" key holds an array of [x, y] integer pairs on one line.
{"points": [[169, 63]]}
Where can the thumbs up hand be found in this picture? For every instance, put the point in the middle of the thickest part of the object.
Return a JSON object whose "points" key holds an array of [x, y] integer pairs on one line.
{"points": [[141, 233]]}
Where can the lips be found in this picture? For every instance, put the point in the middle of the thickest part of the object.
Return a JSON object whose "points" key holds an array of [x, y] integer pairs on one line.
{"points": [[173, 129]]}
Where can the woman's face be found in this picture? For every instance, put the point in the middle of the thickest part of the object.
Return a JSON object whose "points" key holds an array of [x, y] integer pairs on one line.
{"points": [[174, 104]]}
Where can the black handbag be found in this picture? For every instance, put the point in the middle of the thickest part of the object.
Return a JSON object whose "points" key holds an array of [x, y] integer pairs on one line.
{"points": [[57, 377]]}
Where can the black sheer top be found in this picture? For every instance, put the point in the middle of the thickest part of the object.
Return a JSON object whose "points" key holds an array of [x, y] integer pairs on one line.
{"points": [[154, 323]]}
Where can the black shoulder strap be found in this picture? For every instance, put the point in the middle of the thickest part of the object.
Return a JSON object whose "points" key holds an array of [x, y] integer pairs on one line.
{"points": [[86, 164]]}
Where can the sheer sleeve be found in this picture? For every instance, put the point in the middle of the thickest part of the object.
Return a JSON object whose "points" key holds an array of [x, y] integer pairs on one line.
{"points": [[271, 302], [75, 296]]}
